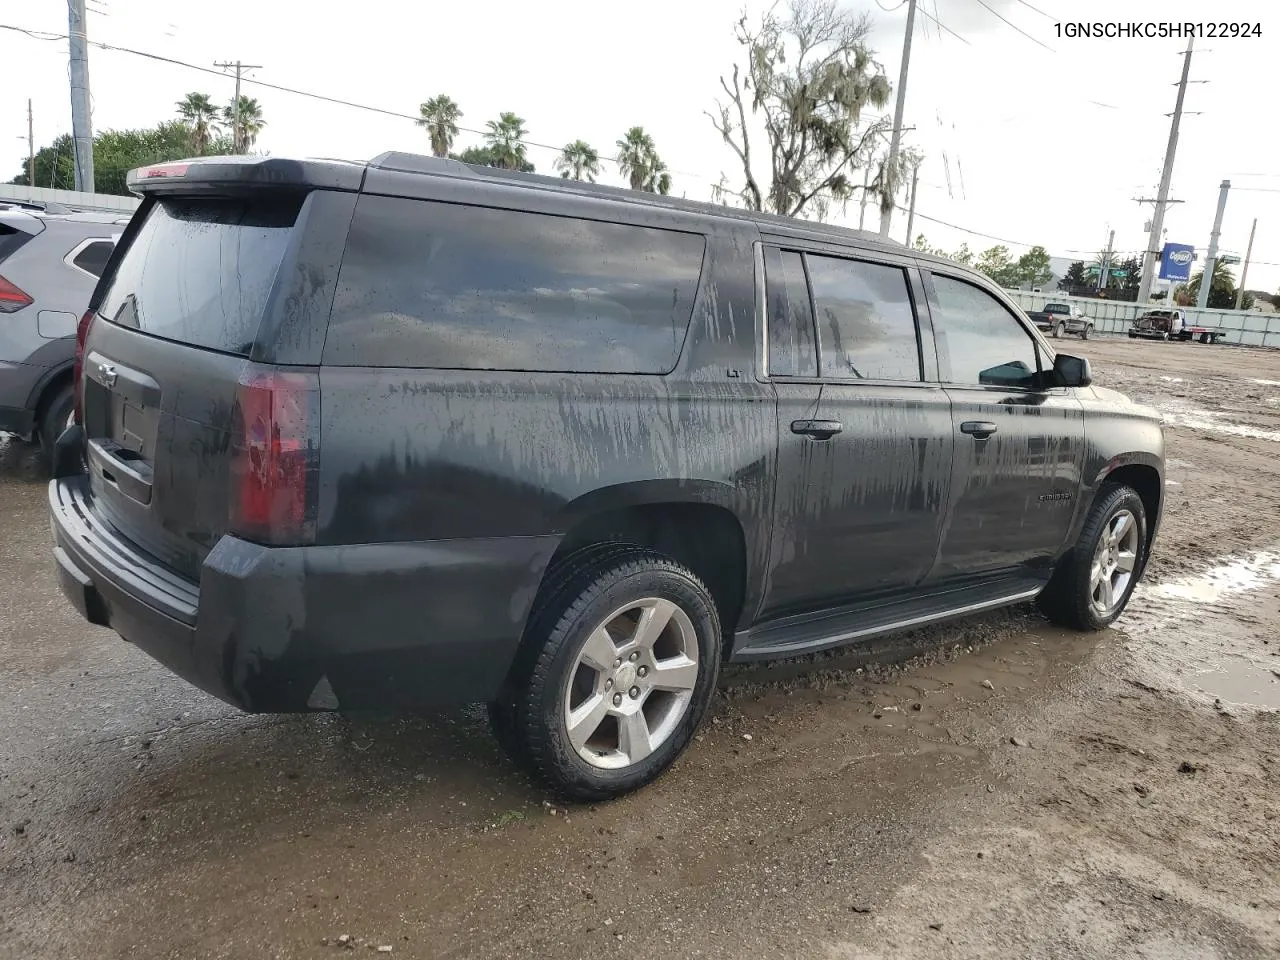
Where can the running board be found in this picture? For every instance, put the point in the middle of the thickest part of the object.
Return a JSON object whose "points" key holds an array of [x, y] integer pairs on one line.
{"points": [[809, 633]]}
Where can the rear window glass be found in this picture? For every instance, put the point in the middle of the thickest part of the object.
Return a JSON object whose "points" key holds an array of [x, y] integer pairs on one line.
{"points": [[440, 285], [866, 324], [200, 271], [11, 239], [93, 257]]}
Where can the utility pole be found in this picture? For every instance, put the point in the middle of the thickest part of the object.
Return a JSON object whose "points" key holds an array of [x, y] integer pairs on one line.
{"points": [[31, 148], [862, 207], [1104, 268], [1244, 270], [237, 135], [1166, 174], [1206, 278], [895, 139], [911, 210], [81, 121]]}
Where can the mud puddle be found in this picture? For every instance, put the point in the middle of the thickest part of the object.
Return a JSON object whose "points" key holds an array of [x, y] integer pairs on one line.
{"points": [[1207, 635], [1176, 414]]}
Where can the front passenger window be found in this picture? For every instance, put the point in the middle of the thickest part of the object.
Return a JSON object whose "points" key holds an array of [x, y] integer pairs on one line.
{"points": [[979, 341]]}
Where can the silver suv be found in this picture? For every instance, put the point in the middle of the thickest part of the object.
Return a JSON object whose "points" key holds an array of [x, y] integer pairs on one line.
{"points": [[49, 263]]}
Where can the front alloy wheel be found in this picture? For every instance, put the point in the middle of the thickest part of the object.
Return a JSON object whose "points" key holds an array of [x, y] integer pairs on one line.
{"points": [[1094, 580], [1114, 560]]}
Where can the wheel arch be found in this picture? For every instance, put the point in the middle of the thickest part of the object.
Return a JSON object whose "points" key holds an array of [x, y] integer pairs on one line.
{"points": [[1145, 475], [47, 388], [696, 523]]}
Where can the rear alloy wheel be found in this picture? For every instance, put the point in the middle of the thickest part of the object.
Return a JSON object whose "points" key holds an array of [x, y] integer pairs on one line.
{"points": [[619, 667], [1084, 334], [1060, 330], [1093, 582], [631, 683]]}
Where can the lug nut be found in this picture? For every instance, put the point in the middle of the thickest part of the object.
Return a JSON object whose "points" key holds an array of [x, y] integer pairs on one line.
{"points": [[617, 699], [608, 684], [635, 692], [635, 656], [617, 662], [643, 671]]}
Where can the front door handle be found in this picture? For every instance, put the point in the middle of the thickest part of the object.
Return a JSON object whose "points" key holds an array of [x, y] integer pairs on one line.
{"points": [[817, 429], [978, 429]]}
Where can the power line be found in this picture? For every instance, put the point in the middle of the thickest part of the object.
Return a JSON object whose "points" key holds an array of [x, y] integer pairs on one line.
{"points": [[943, 25], [992, 10], [45, 35], [1038, 10]]}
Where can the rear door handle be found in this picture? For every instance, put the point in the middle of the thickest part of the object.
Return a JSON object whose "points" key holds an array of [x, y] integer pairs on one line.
{"points": [[978, 429], [817, 429]]}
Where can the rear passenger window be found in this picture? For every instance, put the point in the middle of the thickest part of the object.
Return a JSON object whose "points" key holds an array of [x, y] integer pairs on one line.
{"points": [[442, 285], [866, 324], [93, 257], [790, 318], [979, 341]]}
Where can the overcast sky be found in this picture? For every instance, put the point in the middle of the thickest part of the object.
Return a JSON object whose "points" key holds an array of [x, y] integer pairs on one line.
{"points": [[1024, 143]]}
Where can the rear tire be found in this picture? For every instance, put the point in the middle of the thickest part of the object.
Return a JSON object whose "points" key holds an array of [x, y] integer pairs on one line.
{"points": [[1060, 331], [57, 415], [592, 725], [1091, 586], [1084, 334]]}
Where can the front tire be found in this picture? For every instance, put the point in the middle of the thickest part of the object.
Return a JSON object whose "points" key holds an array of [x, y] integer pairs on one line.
{"points": [[618, 665], [1094, 581]]}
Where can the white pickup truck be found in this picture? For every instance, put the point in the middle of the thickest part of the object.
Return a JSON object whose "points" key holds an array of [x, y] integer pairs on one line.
{"points": [[1061, 319]]}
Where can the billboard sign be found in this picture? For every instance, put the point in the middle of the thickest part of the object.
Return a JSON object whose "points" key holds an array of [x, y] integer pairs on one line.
{"points": [[1175, 261]]}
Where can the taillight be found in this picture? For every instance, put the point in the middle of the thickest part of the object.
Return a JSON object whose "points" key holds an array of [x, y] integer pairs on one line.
{"points": [[12, 298], [275, 456], [82, 334]]}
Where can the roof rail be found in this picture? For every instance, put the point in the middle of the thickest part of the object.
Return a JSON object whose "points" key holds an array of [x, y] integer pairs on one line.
{"points": [[440, 166]]}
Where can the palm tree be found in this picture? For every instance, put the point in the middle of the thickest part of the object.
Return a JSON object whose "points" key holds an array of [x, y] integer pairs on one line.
{"points": [[639, 162], [659, 178], [579, 161], [505, 140], [250, 124], [440, 117], [198, 112]]}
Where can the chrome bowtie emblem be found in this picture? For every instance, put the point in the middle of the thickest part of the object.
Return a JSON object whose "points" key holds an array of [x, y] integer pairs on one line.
{"points": [[108, 374]]}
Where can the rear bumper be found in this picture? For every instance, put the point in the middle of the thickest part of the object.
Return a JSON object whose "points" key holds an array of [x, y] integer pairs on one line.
{"points": [[299, 628]]}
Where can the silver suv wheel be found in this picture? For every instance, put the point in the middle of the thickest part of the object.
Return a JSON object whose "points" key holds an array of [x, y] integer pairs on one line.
{"points": [[1113, 563], [631, 683]]}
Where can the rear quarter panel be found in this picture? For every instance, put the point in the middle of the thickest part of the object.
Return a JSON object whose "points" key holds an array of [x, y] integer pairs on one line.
{"points": [[415, 455]]}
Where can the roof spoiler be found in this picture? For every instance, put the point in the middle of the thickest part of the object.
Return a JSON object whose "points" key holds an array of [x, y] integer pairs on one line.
{"points": [[228, 175]]}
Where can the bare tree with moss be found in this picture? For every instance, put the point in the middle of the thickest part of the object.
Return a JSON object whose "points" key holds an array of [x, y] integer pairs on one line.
{"points": [[808, 78]]}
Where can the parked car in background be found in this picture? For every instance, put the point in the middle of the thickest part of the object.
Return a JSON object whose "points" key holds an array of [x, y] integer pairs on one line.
{"points": [[1170, 325], [414, 432], [49, 264], [1061, 319]]}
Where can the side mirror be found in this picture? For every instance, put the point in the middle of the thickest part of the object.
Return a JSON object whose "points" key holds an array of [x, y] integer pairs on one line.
{"points": [[1071, 371]]}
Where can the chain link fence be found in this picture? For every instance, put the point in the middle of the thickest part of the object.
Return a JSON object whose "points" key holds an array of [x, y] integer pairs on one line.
{"points": [[1243, 327]]}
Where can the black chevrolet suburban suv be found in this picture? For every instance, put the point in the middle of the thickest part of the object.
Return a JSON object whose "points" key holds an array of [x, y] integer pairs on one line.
{"points": [[413, 432]]}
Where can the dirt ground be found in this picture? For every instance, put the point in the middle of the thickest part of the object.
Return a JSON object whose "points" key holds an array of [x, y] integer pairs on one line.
{"points": [[1011, 791]]}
